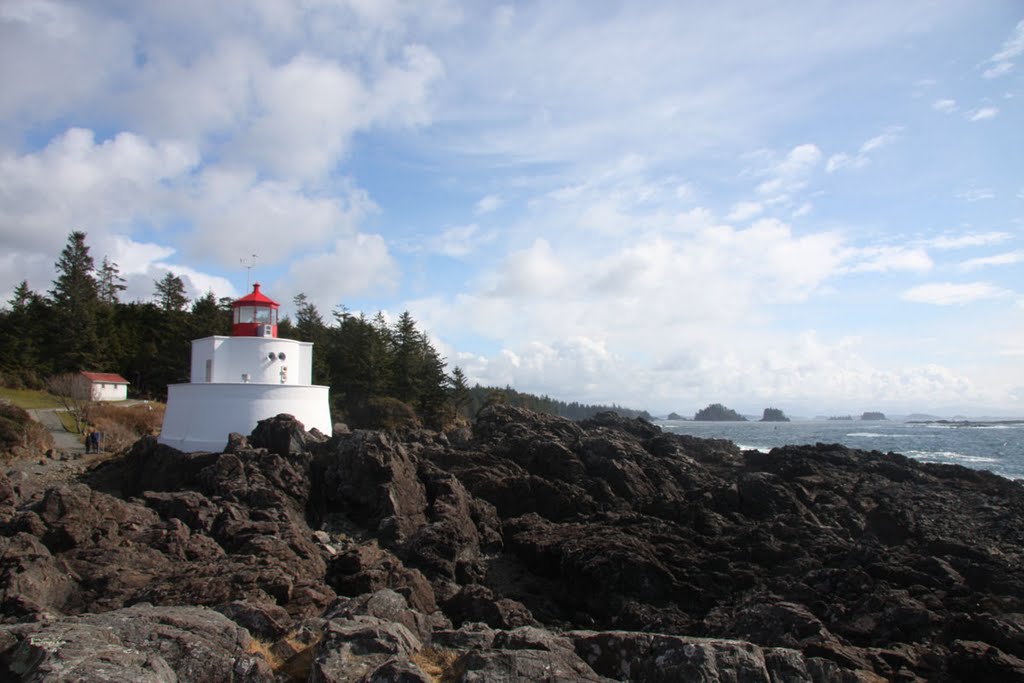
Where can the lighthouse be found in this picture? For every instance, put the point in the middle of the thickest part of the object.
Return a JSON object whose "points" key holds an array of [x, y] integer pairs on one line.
{"points": [[239, 380]]}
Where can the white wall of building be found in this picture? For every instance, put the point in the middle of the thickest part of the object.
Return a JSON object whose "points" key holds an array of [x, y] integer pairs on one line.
{"points": [[253, 360], [109, 391], [85, 389], [200, 416]]}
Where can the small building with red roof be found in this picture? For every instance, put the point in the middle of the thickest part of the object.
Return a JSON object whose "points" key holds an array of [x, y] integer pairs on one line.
{"points": [[101, 386]]}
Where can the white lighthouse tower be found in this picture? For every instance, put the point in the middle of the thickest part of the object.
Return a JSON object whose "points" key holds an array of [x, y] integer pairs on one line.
{"points": [[239, 380]]}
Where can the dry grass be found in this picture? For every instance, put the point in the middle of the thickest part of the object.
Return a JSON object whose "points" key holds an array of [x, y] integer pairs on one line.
{"points": [[294, 669], [122, 426], [437, 663], [262, 649], [20, 435]]}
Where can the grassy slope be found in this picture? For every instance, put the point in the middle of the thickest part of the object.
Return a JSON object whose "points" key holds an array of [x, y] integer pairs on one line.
{"points": [[29, 398]]}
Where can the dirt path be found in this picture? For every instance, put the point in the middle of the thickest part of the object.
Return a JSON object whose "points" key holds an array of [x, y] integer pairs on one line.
{"points": [[63, 441], [65, 462]]}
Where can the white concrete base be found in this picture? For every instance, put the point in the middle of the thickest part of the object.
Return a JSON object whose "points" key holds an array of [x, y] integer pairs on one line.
{"points": [[200, 417]]}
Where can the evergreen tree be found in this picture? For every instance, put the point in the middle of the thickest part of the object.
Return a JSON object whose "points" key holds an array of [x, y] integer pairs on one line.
{"points": [[358, 359], [170, 292], [109, 282], [74, 340], [22, 297], [433, 400], [460, 396], [207, 318], [23, 331], [408, 359], [309, 326]]}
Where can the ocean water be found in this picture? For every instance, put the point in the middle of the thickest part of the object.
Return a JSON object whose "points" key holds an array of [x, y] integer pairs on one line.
{"points": [[998, 448]]}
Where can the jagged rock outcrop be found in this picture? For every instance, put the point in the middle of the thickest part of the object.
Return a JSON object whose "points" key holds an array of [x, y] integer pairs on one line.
{"points": [[140, 643], [600, 550]]}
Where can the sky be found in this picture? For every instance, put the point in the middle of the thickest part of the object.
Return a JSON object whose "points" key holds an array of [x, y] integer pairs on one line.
{"points": [[813, 206]]}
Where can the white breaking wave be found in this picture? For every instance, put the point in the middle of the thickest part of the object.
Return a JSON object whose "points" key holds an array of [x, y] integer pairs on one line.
{"points": [[875, 435], [942, 456]]}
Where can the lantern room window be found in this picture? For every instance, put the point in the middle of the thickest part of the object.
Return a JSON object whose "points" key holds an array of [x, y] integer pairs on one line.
{"points": [[254, 315], [244, 314]]}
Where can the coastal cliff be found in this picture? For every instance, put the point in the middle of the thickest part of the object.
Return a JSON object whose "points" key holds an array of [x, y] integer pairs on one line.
{"points": [[527, 547]]}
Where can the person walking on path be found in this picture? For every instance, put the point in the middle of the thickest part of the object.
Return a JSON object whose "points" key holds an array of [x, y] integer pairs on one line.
{"points": [[94, 439], [89, 432]]}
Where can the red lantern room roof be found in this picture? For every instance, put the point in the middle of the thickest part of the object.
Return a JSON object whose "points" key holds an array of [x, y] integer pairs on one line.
{"points": [[255, 297], [254, 315]]}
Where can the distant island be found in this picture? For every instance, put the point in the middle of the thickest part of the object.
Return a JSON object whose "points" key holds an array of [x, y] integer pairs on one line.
{"points": [[968, 423], [841, 417], [675, 416], [716, 412], [873, 416], [774, 415]]}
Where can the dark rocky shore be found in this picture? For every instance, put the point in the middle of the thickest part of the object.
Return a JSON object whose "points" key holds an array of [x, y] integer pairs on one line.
{"points": [[530, 548]]}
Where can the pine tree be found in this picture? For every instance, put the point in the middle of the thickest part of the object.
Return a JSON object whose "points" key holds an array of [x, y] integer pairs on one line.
{"points": [[207, 318], [309, 326], [22, 333], [75, 342], [109, 282], [170, 292], [408, 359], [460, 396], [19, 302], [433, 401]]}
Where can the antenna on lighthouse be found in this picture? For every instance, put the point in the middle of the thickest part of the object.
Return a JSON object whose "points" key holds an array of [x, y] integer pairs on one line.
{"points": [[248, 264]]}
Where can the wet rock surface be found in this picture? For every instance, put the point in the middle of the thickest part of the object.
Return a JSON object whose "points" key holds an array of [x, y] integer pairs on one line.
{"points": [[533, 548]]}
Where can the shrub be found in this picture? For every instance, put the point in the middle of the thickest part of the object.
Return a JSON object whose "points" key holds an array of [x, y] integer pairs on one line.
{"points": [[383, 412], [121, 426], [21, 435], [438, 663]]}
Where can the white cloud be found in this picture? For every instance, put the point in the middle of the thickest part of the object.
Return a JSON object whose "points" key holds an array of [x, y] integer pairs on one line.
{"points": [[838, 161], [353, 265], [978, 239], [952, 293], [983, 114], [307, 110], [103, 188], [886, 259], [861, 159], [535, 271], [886, 138], [1000, 69], [946, 106], [1001, 61], [791, 174], [742, 211], [1004, 259], [235, 213], [652, 294], [78, 182], [460, 241], [977, 194], [771, 371], [55, 57], [490, 203], [803, 210]]}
